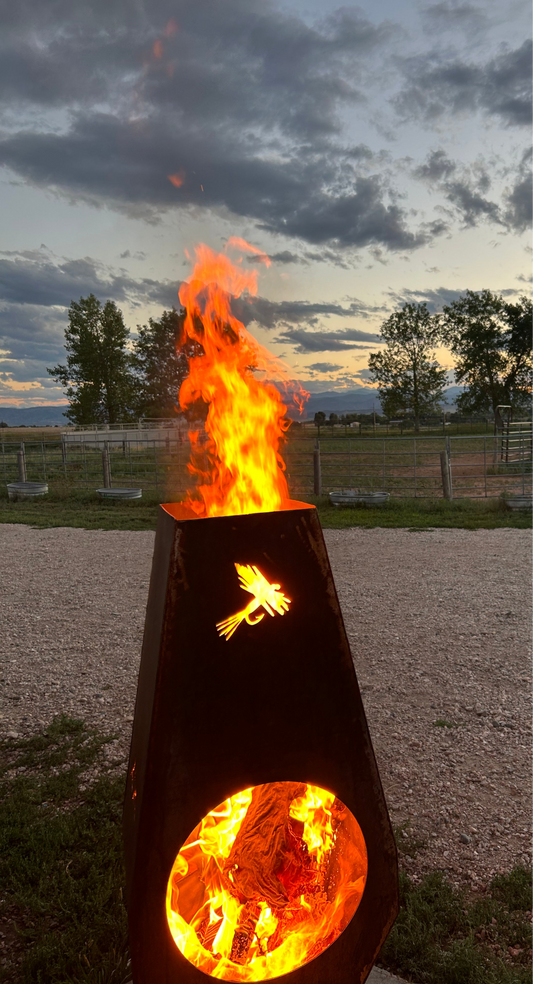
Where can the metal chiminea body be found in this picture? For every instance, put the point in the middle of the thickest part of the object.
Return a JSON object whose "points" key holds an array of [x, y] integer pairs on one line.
{"points": [[247, 694]]}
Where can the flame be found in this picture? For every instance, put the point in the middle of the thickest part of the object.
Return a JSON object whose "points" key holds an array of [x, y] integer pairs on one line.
{"points": [[236, 455], [157, 49], [267, 596], [266, 881], [177, 179]]}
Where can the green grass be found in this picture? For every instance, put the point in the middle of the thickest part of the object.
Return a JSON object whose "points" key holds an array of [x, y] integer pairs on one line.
{"points": [[443, 937], [61, 866], [62, 877], [421, 514], [84, 509]]}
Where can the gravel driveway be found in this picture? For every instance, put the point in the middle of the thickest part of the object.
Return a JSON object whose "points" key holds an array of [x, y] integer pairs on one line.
{"points": [[439, 624]]}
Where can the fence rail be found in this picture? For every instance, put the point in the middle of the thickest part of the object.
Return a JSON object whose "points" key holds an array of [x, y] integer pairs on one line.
{"points": [[479, 465]]}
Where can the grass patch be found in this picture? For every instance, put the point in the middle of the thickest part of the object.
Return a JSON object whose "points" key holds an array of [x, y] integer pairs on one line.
{"points": [[61, 870], [83, 508], [442, 937], [444, 723], [422, 514]]}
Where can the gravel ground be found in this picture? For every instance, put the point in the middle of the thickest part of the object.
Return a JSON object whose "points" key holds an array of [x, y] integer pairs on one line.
{"points": [[439, 625]]}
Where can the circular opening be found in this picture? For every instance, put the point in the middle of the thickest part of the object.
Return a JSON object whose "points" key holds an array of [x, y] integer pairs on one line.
{"points": [[266, 881]]}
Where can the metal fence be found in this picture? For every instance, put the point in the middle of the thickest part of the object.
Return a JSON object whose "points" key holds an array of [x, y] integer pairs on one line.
{"points": [[408, 466]]}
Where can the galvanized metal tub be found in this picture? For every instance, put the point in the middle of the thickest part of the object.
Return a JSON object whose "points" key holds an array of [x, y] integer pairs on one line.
{"points": [[519, 501], [357, 497], [26, 490], [120, 493]]}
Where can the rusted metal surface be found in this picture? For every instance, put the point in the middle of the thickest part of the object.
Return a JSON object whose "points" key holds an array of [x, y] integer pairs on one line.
{"points": [[277, 702]]}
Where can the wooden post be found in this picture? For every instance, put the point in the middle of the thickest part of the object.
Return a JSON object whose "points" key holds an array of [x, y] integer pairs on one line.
{"points": [[317, 473], [446, 474], [21, 463], [106, 467]]}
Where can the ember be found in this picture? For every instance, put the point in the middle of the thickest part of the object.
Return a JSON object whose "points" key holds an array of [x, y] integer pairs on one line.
{"points": [[266, 881]]}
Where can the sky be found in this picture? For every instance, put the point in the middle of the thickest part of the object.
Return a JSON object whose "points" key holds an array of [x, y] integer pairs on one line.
{"points": [[377, 153]]}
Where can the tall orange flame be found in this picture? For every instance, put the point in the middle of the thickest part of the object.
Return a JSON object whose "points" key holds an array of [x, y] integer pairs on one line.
{"points": [[266, 882], [237, 460]]}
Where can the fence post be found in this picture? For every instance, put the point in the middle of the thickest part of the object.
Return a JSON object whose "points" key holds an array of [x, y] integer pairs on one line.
{"points": [[106, 466], [446, 474], [21, 462], [317, 473]]}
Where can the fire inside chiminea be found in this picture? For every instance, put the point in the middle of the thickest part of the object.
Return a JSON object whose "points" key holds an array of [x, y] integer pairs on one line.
{"points": [[257, 838]]}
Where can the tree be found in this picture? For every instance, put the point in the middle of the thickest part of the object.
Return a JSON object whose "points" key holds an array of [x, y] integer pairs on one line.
{"points": [[491, 340], [161, 363], [408, 377], [320, 419], [97, 376]]}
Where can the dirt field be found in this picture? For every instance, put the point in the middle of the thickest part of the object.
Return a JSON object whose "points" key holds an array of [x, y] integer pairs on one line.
{"points": [[31, 433], [439, 625]]}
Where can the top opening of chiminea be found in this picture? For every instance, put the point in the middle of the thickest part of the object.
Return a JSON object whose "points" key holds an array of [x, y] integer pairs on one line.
{"points": [[181, 510], [232, 394]]}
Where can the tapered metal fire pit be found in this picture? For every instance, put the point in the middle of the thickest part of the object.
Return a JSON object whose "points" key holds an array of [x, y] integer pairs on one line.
{"points": [[249, 726]]}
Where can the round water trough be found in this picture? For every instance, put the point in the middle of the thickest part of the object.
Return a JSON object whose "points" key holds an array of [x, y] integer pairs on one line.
{"points": [[26, 490], [120, 493], [358, 497], [519, 501]]}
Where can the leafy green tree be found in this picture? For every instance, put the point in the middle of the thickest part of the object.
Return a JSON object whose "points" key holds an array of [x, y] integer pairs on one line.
{"points": [[161, 363], [491, 340], [97, 377], [408, 377]]}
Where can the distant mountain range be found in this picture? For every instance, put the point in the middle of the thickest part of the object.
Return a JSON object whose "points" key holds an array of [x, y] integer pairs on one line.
{"points": [[46, 416], [358, 400]]}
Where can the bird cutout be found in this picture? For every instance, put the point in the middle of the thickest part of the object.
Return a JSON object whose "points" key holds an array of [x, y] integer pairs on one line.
{"points": [[265, 595]]}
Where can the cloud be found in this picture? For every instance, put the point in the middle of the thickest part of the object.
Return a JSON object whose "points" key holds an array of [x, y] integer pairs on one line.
{"points": [[436, 87], [435, 299], [463, 186], [267, 151], [323, 367], [36, 277], [272, 314], [452, 15], [436, 167], [327, 341], [519, 213]]}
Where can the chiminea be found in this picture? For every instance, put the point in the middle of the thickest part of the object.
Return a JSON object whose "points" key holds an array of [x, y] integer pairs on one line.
{"points": [[258, 843]]}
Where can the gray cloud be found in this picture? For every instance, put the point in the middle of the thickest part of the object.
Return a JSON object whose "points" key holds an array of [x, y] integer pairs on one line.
{"points": [[266, 151], [463, 187], [38, 278], [435, 299], [451, 15], [434, 87], [471, 205], [436, 167], [327, 341], [273, 314], [324, 367], [519, 213]]}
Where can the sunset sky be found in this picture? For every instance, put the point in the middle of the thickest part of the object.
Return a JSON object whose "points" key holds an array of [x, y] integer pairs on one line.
{"points": [[376, 153]]}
